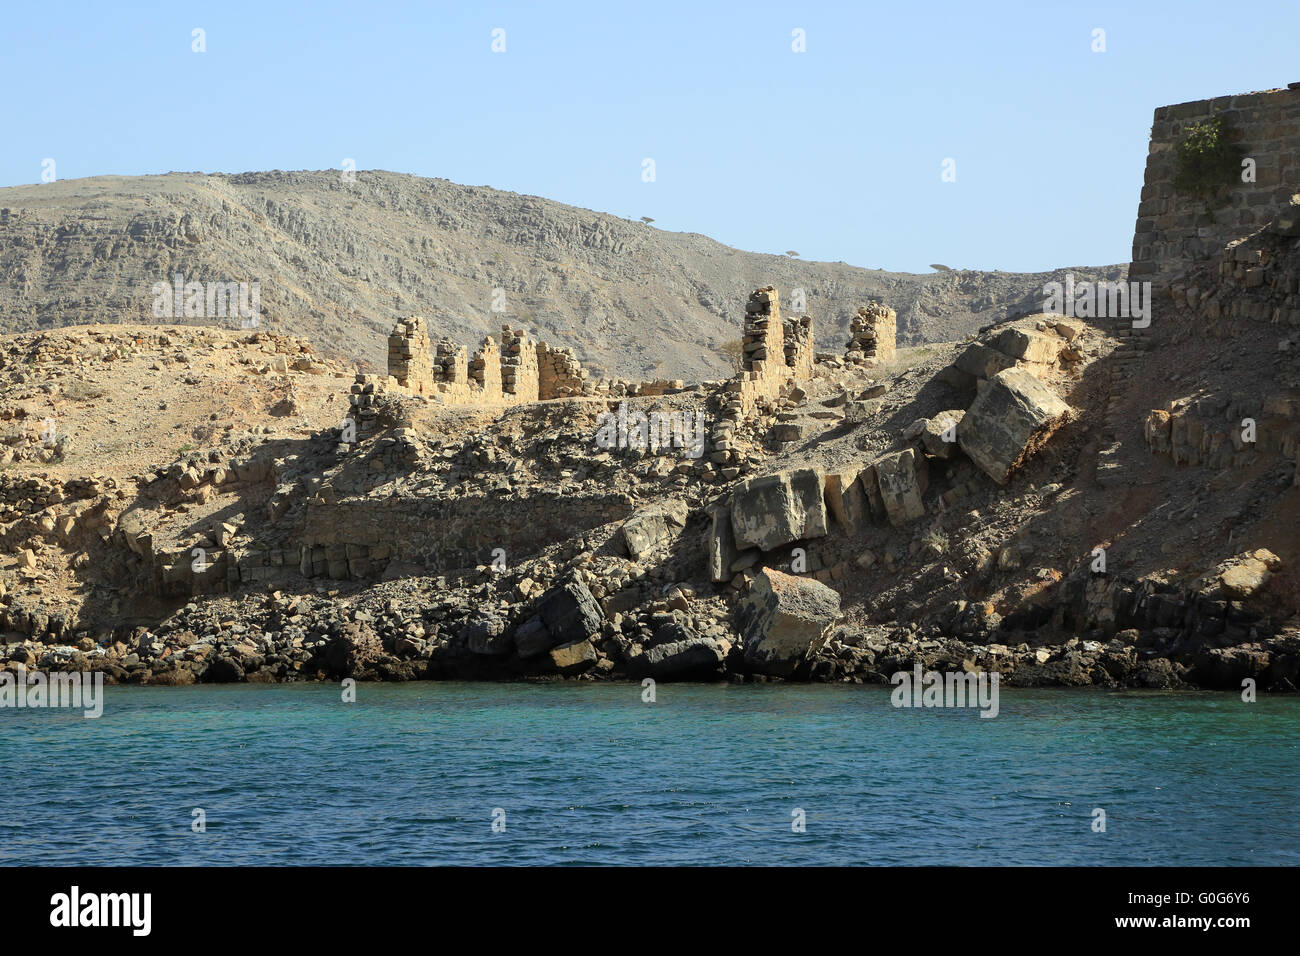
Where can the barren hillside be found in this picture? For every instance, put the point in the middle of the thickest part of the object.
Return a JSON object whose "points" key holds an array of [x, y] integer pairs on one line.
{"points": [[338, 262]]}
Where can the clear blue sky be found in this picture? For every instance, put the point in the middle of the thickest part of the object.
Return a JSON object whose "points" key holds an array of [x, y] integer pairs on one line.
{"points": [[835, 152]]}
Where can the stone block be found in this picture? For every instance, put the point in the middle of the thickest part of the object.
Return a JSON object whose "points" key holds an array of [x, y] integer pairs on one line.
{"points": [[784, 620], [1009, 421], [900, 477], [772, 510]]}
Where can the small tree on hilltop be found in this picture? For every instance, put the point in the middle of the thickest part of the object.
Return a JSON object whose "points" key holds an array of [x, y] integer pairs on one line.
{"points": [[734, 350]]}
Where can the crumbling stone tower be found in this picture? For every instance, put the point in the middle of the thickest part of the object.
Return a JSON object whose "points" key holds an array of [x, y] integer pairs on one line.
{"points": [[485, 370], [410, 358], [559, 373], [872, 334], [451, 364], [764, 341], [798, 337], [519, 375]]}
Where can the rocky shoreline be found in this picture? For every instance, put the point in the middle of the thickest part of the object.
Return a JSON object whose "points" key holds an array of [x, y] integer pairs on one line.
{"points": [[566, 635]]}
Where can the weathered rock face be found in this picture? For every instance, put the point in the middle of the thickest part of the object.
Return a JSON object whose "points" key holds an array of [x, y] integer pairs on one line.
{"points": [[901, 478], [1009, 421], [1226, 668], [488, 636], [1244, 575], [783, 620], [773, 510], [845, 499], [225, 671], [1009, 348], [870, 485], [982, 361], [1028, 345], [647, 530], [532, 638]]}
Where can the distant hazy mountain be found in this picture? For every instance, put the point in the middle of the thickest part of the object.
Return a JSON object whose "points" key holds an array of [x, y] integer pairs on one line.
{"points": [[339, 261]]}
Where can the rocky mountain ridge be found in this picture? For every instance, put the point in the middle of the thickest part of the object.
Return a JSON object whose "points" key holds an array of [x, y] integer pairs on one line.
{"points": [[339, 261]]}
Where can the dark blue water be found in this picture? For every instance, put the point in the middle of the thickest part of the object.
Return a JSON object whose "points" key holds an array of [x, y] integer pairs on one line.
{"points": [[411, 774]]}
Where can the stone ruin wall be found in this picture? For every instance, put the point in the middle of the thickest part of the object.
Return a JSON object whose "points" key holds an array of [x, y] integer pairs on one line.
{"points": [[346, 541], [763, 370], [764, 341], [1226, 264], [410, 357], [777, 353], [798, 337], [485, 371], [1174, 230], [517, 370], [450, 367], [519, 367], [873, 334], [559, 373]]}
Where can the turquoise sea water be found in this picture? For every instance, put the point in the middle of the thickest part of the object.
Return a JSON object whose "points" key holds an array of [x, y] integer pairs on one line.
{"points": [[707, 774]]}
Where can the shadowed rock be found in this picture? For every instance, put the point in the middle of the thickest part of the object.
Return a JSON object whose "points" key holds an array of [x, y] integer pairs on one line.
{"points": [[680, 654], [845, 499], [901, 478], [939, 436], [722, 545], [570, 612]]}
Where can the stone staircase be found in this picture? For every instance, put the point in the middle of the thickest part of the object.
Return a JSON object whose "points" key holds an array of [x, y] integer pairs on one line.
{"points": [[1124, 362], [1133, 344]]}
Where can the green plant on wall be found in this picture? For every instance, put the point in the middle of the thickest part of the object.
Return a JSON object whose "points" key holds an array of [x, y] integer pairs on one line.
{"points": [[1207, 163]]}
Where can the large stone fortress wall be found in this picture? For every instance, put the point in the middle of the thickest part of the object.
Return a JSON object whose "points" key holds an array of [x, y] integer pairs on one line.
{"points": [[1173, 230]]}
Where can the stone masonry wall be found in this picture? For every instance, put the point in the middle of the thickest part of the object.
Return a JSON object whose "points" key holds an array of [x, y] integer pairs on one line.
{"points": [[765, 368], [485, 371], [764, 343], [451, 364], [872, 334], [559, 373], [1253, 279], [798, 336], [410, 359], [1173, 230], [519, 373], [776, 355], [776, 352]]}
